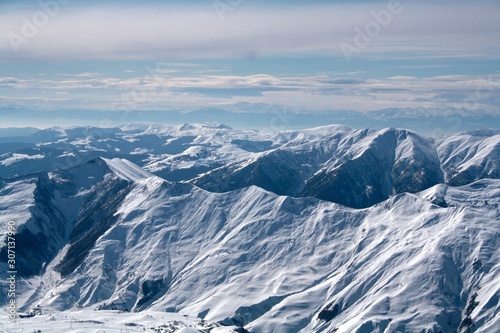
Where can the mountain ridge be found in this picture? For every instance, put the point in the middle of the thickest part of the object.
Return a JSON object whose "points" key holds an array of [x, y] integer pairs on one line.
{"points": [[131, 241]]}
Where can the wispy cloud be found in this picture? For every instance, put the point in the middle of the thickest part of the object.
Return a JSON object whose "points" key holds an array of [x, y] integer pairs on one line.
{"points": [[164, 32], [314, 93]]}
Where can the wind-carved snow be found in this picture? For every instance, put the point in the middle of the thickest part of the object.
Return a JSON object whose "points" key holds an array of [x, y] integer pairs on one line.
{"points": [[126, 170], [132, 241]]}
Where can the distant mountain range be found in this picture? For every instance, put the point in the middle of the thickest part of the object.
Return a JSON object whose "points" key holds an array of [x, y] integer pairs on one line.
{"points": [[431, 122], [329, 229]]}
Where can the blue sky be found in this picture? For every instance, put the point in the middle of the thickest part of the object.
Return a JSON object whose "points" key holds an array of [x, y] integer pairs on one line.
{"points": [[305, 56]]}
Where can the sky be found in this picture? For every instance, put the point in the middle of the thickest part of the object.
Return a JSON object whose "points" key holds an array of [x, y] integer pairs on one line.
{"points": [[300, 56]]}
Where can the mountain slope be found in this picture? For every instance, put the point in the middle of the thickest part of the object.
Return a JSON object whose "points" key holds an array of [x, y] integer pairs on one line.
{"points": [[268, 248], [469, 156], [61, 205], [275, 263], [357, 168]]}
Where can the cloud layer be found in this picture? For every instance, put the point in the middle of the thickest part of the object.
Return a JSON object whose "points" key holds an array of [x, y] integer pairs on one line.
{"points": [[163, 32], [300, 93]]}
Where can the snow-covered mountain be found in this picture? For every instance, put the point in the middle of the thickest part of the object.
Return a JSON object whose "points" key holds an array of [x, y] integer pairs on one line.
{"points": [[264, 250], [357, 168], [471, 156]]}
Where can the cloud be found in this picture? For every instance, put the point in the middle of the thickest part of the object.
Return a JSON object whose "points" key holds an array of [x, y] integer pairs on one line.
{"points": [[306, 93], [167, 32], [87, 74]]}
